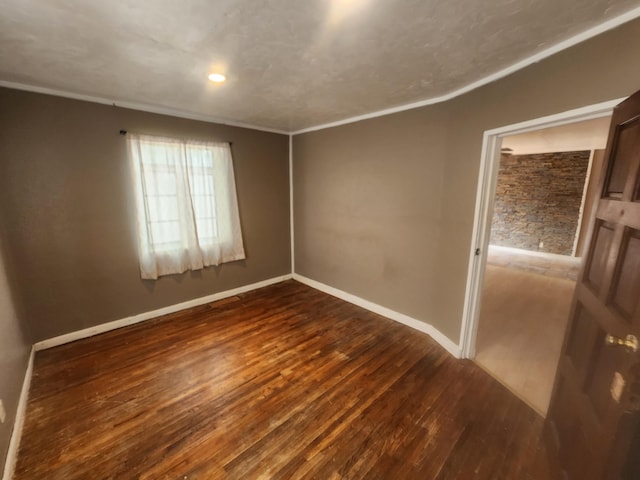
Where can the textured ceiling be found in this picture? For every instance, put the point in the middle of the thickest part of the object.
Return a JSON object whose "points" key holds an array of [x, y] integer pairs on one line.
{"points": [[290, 64]]}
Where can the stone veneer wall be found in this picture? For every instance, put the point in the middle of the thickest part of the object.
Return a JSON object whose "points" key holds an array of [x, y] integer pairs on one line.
{"points": [[538, 199]]}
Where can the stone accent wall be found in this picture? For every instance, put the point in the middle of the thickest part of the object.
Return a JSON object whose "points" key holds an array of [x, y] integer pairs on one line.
{"points": [[538, 199]]}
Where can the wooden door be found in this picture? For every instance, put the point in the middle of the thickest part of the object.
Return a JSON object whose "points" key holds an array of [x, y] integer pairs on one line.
{"points": [[593, 427]]}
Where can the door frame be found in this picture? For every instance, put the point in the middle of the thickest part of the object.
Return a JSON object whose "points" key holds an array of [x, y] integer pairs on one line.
{"points": [[485, 197]]}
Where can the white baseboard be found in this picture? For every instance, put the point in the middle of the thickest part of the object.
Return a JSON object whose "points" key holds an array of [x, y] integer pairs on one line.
{"points": [[105, 327], [141, 317], [16, 434], [423, 327], [533, 253], [14, 444]]}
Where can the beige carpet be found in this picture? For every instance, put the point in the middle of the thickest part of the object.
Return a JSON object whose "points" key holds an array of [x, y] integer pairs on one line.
{"points": [[522, 322]]}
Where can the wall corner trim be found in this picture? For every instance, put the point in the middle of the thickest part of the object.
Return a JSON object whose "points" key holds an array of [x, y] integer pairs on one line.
{"points": [[291, 212], [423, 327], [14, 442], [141, 317]]}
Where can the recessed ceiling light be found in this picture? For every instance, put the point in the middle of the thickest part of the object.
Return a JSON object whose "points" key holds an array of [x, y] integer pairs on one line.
{"points": [[217, 77]]}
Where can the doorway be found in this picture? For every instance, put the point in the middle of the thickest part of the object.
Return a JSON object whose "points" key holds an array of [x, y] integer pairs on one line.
{"points": [[483, 274], [533, 258]]}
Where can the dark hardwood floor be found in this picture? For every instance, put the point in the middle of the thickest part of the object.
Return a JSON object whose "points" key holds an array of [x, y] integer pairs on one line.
{"points": [[283, 382]]}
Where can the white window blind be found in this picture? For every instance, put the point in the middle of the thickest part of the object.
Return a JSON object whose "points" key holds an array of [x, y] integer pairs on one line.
{"points": [[186, 204]]}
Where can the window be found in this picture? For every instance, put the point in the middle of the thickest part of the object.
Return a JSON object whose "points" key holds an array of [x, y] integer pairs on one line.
{"points": [[186, 204]]}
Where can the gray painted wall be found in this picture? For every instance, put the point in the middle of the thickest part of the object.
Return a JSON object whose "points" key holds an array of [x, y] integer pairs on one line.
{"points": [[367, 199], [15, 345], [66, 201], [384, 207]]}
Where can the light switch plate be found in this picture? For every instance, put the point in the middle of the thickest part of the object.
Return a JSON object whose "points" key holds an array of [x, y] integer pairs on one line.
{"points": [[3, 413]]}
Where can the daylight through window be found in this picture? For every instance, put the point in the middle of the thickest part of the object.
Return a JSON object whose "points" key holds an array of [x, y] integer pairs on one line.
{"points": [[186, 204]]}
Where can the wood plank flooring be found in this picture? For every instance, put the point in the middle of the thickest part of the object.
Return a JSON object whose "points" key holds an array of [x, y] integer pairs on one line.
{"points": [[284, 382]]}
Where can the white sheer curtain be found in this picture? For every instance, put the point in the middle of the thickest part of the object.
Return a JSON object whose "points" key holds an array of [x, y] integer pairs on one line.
{"points": [[186, 204]]}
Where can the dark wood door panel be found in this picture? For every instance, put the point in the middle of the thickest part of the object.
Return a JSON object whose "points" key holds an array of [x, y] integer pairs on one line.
{"points": [[593, 416], [623, 157], [599, 255], [604, 372], [574, 450], [615, 211], [626, 284], [631, 469], [606, 316], [582, 337]]}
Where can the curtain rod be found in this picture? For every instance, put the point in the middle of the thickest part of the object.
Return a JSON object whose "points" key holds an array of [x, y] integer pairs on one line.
{"points": [[124, 132]]}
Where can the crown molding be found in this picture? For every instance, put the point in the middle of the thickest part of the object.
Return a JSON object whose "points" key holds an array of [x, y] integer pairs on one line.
{"points": [[558, 47], [137, 106]]}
